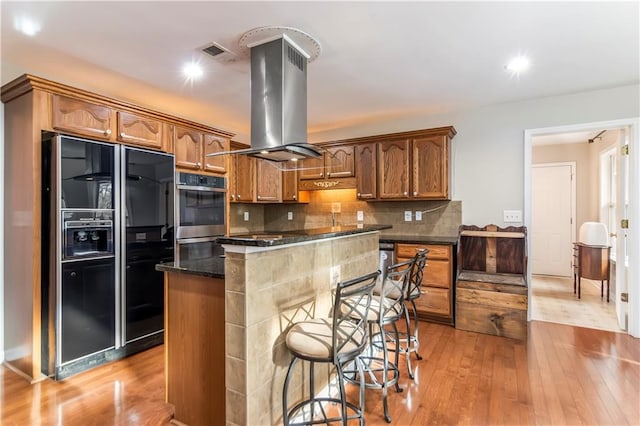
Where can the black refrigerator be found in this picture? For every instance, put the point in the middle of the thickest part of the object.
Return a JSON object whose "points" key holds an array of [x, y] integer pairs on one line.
{"points": [[107, 221]]}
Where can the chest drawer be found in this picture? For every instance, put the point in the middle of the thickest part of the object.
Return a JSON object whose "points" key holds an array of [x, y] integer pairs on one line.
{"points": [[436, 251]]}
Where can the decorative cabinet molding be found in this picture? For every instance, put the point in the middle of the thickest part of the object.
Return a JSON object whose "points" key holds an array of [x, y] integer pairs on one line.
{"points": [[81, 117]]}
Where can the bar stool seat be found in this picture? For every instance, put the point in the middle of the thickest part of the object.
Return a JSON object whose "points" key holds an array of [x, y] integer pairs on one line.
{"points": [[313, 339]]}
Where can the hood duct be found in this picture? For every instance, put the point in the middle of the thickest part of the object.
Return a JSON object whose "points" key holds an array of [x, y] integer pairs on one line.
{"points": [[279, 94]]}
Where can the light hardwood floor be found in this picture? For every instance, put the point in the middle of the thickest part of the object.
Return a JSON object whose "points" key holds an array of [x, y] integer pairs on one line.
{"points": [[553, 300], [562, 375]]}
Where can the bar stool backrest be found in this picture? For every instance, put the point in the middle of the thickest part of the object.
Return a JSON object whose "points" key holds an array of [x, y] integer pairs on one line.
{"points": [[394, 289], [350, 312], [417, 271]]}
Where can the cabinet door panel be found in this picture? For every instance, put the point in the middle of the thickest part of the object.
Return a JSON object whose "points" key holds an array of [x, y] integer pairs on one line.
{"points": [[289, 185], [245, 178], [81, 117], [365, 166], [270, 181], [393, 167], [136, 130], [187, 146], [437, 273], [434, 301], [211, 145], [340, 161], [430, 168], [311, 168]]}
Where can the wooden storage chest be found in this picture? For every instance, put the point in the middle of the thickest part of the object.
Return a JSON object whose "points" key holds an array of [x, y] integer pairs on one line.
{"points": [[491, 287]]}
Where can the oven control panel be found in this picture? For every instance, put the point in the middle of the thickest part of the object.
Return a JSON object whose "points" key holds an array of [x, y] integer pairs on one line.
{"points": [[192, 179]]}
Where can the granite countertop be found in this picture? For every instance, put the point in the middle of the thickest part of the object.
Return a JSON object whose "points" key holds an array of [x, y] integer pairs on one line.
{"points": [[277, 238], [212, 267], [419, 239]]}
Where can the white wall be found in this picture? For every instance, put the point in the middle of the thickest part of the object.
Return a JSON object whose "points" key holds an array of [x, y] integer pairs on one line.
{"points": [[488, 150]]}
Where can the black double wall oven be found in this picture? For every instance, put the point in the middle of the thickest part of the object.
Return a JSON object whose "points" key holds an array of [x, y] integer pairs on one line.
{"points": [[108, 219]]}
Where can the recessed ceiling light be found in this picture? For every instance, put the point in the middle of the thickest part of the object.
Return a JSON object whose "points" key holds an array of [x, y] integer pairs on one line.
{"points": [[26, 26], [192, 71], [518, 64]]}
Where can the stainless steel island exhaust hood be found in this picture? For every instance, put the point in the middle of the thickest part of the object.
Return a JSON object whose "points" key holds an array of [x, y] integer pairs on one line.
{"points": [[279, 94]]}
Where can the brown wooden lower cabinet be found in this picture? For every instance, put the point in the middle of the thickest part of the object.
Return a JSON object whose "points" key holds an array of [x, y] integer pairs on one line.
{"points": [[195, 348], [436, 302]]}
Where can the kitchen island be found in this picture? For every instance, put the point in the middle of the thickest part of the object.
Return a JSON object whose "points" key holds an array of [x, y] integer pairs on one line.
{"points": [[226, 322]]}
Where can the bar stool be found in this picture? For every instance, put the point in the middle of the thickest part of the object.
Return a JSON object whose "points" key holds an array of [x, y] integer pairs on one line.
{"points": [[335, 340], [409, 341], [387, 307]]}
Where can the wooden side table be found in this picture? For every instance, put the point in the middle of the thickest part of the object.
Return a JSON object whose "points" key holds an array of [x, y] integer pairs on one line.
{"points": [[591, 262]]}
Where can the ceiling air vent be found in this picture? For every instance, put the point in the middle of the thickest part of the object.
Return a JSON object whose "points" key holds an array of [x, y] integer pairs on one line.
{"points": [[218, 52]]}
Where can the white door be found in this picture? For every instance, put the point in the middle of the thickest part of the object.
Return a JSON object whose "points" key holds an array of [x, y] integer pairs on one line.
{"points": [[622, 212], [552, 227]]}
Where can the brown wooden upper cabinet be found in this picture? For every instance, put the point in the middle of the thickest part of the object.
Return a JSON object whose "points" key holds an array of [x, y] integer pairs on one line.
{"points": [[414, 168], [289, 184], [242, 186], [393, 169], [337, 162], [81, 117], [142, 131], [213, 144], [268, 182], [192, 146], [366, 155], [430, 159]]}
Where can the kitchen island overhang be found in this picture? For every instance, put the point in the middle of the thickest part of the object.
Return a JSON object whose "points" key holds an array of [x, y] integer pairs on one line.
{"points": [[269, 283]]}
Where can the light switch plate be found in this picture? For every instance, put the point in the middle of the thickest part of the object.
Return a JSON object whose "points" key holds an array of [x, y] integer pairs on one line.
{"points": [[246, 216], [512, 216], [407, 216], [419, 215], [359, 215], [289, 215]]}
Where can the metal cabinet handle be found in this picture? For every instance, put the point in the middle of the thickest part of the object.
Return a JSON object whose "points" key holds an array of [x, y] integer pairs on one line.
{"points": [[423, 291], [321, 174], [73, 274], [233, 197], [358, 195], [405, 193], [415, 193], [259, 197], [328, 174], [199, 164], [107, 132], [295, 197]]}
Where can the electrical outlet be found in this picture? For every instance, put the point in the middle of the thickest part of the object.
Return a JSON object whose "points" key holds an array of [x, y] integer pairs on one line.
{"points": [[512, 216], [335, 207], [359, 215], [289, 215], [246, 216], [419, 215], [407, 216]]}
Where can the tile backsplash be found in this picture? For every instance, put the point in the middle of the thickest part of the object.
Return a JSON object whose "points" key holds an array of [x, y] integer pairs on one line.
{"points": [[439, 218]]}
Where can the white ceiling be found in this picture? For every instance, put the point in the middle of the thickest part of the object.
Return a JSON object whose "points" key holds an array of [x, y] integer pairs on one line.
{"points": [[379, 59]]}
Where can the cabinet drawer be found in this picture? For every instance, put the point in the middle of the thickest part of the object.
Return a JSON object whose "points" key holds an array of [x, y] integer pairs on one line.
{"points": [[435, 251], [435, 301]]}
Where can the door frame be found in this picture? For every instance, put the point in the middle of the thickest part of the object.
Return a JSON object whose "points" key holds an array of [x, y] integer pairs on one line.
{"points": [[572, 165], [634, 204]]}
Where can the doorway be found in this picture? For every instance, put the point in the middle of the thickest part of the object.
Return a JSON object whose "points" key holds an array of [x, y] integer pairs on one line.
{"points": [[591, 179]]}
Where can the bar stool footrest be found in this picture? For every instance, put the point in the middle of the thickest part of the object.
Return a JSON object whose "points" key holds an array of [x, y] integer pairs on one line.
{"points": [[321, 413]]}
